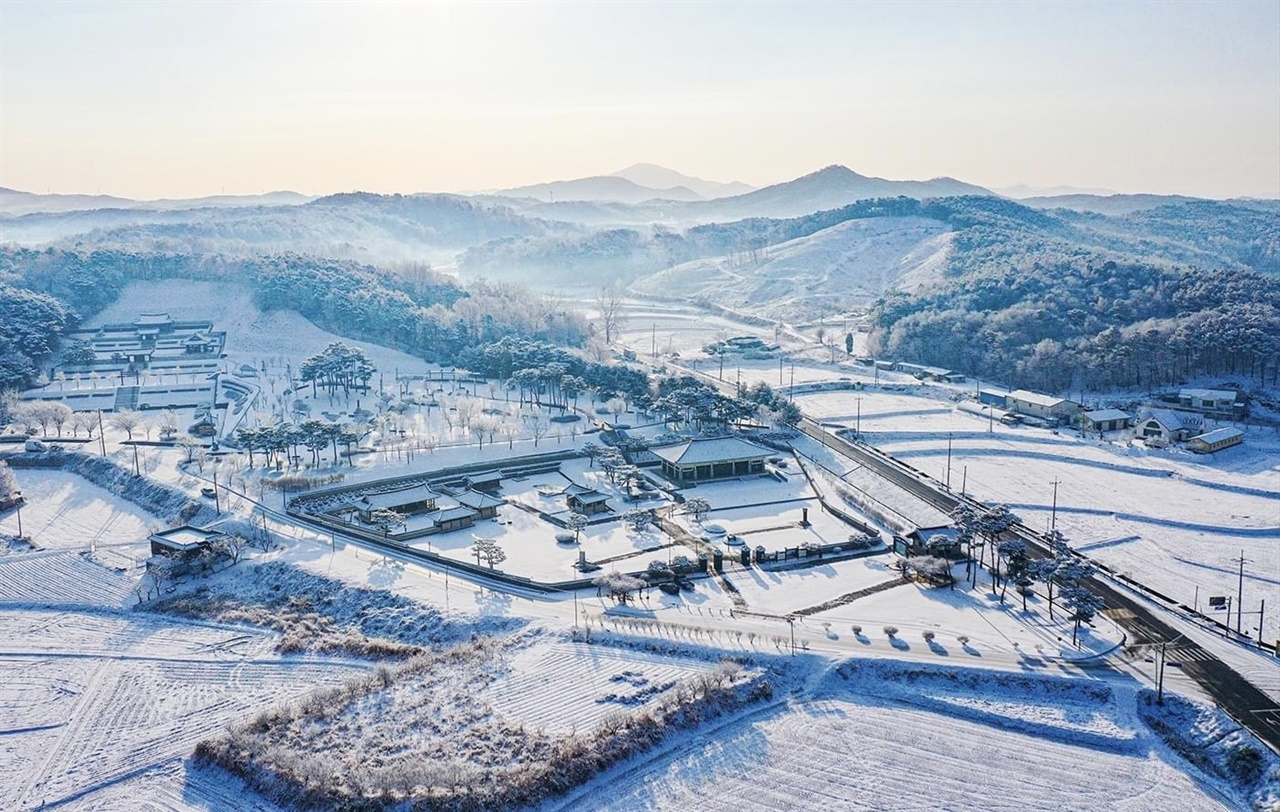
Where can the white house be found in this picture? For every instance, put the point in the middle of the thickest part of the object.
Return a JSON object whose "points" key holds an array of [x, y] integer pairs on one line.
{"points": [[1220, 402], [1169, 426], [1044, 406]]}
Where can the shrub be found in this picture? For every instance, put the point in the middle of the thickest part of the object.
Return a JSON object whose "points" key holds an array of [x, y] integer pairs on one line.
{"points": [[928, 636], [890, 631], [857, 630]]}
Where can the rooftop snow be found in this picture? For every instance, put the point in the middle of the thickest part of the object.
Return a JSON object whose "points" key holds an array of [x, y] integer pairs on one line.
{"points": [[709, 450], [1047, 401]]}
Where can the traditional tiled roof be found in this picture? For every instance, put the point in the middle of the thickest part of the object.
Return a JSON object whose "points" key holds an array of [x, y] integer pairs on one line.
{"points": [[703, 451], [472, 499]]}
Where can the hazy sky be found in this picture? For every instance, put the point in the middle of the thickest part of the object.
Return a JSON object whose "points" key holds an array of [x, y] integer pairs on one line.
{"points": [[167, 99]]}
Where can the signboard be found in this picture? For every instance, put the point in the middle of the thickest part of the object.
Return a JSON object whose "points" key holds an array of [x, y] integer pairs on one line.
{"points": [[1217, 602]]}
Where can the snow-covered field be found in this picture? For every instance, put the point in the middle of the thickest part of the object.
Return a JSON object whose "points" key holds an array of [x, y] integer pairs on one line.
{"points": [[92, 701], [858, 745], [561, 687], [1173, 521]]}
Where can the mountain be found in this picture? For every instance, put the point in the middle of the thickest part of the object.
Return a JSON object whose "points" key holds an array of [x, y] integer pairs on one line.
{"points": [[828, 188], [1114, 204], [602, 188], [368, 227], [659, 177], [15, 203], [1022, 191]]}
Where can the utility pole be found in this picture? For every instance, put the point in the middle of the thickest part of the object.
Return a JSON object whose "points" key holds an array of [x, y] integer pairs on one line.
{"points": [[1239, 592], [948, 460], [217, 502], [1053, 512], [19, 508], [791, 620], [858, 429], [102, 439], [964, 479], [792, 393]]}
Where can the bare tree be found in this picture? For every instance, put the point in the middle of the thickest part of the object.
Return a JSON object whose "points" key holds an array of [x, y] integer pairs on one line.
{"points": [[612, 318]]}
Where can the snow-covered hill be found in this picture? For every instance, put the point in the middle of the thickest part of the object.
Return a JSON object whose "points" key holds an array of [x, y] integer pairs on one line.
{"points": [[848, 264]]}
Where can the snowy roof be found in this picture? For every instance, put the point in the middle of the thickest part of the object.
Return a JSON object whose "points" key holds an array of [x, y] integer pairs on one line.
{"points": [[485, 477], [153, 318], [1208, 394], [451, 514], [713, 449], [589, 496], [1100, 415], [394, 499], [476, 500], [1174, 420], [184, 538], [1035, 398], [1219, 434]]}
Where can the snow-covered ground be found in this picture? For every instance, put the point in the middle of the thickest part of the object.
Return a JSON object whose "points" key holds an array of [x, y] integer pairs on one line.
{"points": [[1176, 522], [89, 702], [864, 744]]}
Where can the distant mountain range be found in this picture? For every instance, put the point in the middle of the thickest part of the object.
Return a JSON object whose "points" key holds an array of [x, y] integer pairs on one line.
{"points": [[659, 177], [828, 188], [14, 202]]}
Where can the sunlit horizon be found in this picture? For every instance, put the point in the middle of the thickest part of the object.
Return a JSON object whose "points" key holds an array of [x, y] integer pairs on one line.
{"points": [[173, 100]]}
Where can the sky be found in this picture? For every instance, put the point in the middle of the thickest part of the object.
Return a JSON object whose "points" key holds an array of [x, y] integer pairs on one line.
{"points": [[181, 99]]}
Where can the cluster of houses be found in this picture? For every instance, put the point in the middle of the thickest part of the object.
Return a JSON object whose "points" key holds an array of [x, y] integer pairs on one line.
{"points": [[1184, 423]]}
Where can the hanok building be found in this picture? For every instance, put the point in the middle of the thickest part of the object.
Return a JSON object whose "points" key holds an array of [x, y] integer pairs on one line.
{"points": [[712, 458], [1215, 440], [1106, 420], [486, 481], [587, 501], [453, 518], [1046, 407], [405, 501], [484, 505], [150, 340]]}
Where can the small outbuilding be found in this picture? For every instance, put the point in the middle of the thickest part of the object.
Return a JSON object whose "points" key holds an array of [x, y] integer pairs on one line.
{"points": [[1215, 440], [586, 500], [183, 543], [454, 518], [1106, 420]]}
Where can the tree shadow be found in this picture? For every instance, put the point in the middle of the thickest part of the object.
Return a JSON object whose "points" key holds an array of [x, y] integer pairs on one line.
{"points": [[938, 648], [899, 644], [971, 651]]}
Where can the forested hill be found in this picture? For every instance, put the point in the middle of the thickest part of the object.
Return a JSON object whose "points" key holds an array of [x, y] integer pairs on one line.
{"points": [[44, 293], [366, 227], [1202, 234]]}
